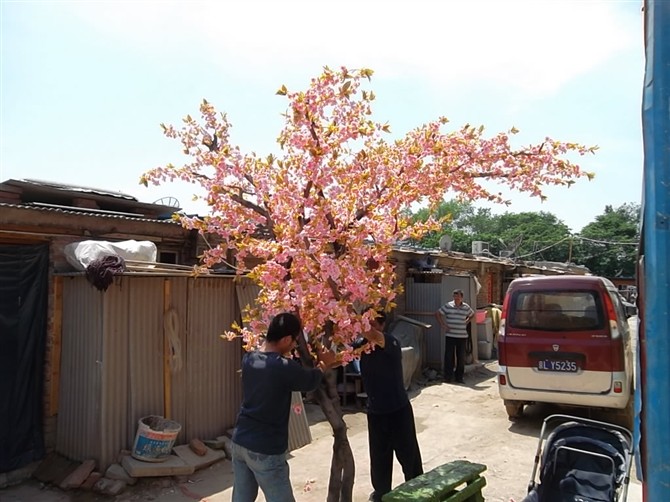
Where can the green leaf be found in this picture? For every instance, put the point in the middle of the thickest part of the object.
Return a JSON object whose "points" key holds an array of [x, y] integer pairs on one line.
{"points": [[282, 91]]}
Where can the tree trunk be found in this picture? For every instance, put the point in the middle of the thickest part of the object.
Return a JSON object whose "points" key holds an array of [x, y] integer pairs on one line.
{"points": [[342, 467]]}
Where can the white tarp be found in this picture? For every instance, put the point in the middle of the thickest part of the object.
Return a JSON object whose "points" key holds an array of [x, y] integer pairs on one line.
{"points": [[81, 254]]}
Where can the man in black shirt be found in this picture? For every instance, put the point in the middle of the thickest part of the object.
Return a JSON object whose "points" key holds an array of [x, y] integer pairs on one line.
{"points": [[260, 439], [390, 417]]}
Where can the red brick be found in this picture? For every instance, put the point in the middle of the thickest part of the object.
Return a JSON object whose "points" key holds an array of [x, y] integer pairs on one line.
{"points": [[78, 476], [198, 447], [91, 480]]}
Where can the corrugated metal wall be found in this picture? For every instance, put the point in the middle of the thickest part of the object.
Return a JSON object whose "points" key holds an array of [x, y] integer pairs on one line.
{"points": [[116, 339], [422, 299], [143, 317], [424, 294], [78, 430], [213, 391], [112, 369]]}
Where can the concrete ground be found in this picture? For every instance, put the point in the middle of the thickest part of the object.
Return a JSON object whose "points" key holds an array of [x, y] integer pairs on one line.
{"points": [[453, 422]]}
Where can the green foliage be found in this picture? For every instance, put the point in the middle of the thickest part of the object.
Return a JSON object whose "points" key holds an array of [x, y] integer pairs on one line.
{"points": [[608, 245], [535, 236], [542, 236], [459, 213], [519, 233]]}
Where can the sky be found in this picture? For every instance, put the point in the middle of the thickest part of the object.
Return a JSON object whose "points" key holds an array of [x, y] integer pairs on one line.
{"points": [[84, 85]]}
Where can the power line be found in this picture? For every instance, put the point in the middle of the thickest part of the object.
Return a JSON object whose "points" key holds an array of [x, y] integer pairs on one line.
{"points": [[614, 243], [544, 248]]}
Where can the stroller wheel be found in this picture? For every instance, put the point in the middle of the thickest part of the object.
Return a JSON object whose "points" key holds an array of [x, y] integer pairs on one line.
{"points": [[514, 409]]}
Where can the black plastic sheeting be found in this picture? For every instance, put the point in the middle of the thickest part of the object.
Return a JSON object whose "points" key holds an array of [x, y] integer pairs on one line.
{"points": [[23, 324]]}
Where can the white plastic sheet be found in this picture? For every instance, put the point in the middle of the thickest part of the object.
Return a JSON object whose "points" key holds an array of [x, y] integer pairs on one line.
{"points": [[81, 254]]}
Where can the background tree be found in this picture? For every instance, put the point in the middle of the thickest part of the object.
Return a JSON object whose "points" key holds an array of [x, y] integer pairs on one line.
{"points": [[533, 235], [321, 217], [451, 213], [608, 246]]}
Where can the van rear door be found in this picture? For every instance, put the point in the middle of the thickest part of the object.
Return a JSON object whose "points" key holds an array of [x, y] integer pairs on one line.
{"points": [[558, 340]]}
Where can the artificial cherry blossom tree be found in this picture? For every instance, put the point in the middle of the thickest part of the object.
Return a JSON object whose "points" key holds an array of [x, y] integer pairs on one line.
{"points": [[320, 219]]}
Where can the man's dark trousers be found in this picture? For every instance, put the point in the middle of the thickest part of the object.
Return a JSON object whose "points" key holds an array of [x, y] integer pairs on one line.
{"points": [[454, 348], [388, 433]]}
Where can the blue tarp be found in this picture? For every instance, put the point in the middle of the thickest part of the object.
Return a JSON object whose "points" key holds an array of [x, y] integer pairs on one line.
{"points": [[654, 278]]}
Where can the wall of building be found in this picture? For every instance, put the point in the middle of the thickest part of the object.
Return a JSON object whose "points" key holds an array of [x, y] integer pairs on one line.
{"points": [[58, 228], [126, 328]]}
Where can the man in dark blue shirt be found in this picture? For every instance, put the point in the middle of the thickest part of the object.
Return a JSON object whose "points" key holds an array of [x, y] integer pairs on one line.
{"points": [[260, 440], [390, 417]]}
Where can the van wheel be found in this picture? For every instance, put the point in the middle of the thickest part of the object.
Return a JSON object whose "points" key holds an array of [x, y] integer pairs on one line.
{"points": [[514, 409]]}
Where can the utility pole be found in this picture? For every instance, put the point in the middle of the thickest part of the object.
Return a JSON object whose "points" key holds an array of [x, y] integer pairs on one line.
{"points": [[570, 249]]}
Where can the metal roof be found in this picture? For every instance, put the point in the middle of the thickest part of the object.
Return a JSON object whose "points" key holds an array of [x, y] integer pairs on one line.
{"points": [[98, 213], [28, 191], [69, 188]]}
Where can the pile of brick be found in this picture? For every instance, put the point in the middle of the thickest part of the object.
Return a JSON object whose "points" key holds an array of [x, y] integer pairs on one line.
{"points": [[184, 460]]}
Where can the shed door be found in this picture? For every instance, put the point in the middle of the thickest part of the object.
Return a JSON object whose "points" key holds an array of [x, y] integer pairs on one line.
{"points": [[23, 313]]}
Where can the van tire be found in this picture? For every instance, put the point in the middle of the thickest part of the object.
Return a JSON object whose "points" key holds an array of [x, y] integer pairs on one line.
{"points": [[514, 409]]}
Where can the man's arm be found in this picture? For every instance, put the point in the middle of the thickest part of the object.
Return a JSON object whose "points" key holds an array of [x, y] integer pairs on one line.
{"points": [[327, 360], [307, 379], [303, 379], [375, 336], [471, 314], [442, 320]]}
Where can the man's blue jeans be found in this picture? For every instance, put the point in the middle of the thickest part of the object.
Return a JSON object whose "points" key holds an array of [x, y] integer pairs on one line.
{"points": [[252, 470]]}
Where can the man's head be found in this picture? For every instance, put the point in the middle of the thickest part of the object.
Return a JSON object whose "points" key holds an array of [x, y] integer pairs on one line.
{"points": [[379, 319], [283, 325], [458, 296]]}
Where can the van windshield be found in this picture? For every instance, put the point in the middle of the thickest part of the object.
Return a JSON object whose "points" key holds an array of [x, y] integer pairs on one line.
{"points": [[558, 310]]}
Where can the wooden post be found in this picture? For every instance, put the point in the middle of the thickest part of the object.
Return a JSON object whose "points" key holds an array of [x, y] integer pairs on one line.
{"points": [[167, 353], [57, 329], [570, 249]]}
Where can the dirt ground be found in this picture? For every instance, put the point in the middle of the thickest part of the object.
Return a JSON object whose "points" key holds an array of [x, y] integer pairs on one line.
{"points": [[453, 422]]}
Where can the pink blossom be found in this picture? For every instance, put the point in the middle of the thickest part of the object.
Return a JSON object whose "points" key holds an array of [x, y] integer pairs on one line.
{"points": [[316, 223]]}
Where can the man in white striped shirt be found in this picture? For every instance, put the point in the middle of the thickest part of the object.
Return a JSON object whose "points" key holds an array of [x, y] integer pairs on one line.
{"points": [[454, 317]]}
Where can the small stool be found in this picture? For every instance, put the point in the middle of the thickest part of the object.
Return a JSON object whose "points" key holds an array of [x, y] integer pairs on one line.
{"points": [[358, 385], [362, 399]]}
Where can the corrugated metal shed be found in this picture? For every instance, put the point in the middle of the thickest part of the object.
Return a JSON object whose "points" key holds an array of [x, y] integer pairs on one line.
{"points": [[424, 294], [115, 369]]}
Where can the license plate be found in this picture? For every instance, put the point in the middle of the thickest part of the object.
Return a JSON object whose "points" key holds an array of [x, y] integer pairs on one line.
{"points": [[560, 366]]}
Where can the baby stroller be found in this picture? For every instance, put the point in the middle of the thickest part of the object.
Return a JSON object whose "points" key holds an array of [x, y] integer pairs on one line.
{"points": [[583, 460]]}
